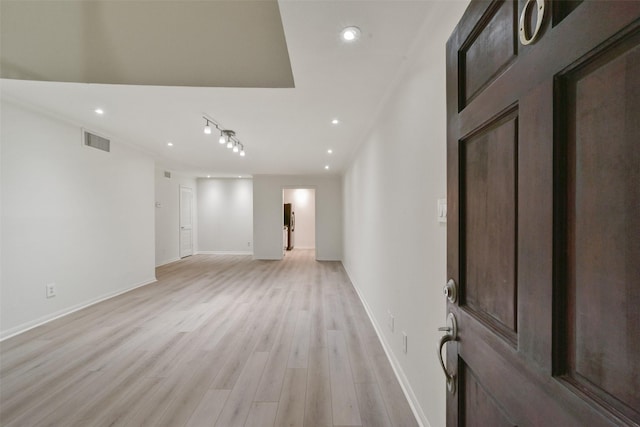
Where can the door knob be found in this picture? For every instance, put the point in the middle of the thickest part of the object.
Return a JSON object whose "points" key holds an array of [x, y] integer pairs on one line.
{"points": [[451, 290], [451, 335]]}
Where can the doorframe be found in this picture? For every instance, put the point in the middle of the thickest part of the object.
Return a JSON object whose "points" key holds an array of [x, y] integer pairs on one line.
{"points": [[315, 208]]}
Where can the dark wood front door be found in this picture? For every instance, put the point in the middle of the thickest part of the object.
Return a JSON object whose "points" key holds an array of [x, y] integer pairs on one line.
{"points": [[544, 214]]}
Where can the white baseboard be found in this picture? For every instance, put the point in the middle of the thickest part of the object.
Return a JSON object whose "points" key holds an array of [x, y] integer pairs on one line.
{"points": [[224, 253], [169, 261], [418, 413], [65, 312]]}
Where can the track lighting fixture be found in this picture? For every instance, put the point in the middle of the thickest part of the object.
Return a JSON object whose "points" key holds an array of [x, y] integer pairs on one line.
{"points": [[227, 136]]}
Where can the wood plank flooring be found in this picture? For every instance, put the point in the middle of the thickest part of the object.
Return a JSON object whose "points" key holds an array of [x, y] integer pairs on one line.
{"points": [[219, 340]]}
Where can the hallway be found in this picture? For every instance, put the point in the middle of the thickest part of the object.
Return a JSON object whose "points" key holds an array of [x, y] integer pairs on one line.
{"points": [[219, 340]]}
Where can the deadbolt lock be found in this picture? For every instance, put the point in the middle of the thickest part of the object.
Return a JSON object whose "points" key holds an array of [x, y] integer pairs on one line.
{"points": [[450, 290]]}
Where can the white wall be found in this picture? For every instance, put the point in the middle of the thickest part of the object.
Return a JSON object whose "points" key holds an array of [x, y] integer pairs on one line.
{"points": [[394, 248], [303, 201], [268, 214], [72, 215], [225, 216], [167, 214]]}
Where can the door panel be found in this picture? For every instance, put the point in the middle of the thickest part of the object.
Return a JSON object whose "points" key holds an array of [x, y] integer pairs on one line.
{"points": [[488, 165], [488, 50], [543, 172], [603, 171], [526, 396], [186, 222], [482, 408], [563, 8]]}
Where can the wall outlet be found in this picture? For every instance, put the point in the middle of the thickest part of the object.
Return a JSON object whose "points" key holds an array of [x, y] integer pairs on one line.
{"points": [[50, 290], [404, 342], [390, 321], [249, 244]]}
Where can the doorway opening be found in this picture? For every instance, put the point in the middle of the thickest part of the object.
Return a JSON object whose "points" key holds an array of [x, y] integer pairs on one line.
{"points": [[186, 221], [299, 220]]}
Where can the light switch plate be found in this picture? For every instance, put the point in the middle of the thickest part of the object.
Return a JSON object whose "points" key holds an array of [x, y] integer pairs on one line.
{"points": [[442, 210]]}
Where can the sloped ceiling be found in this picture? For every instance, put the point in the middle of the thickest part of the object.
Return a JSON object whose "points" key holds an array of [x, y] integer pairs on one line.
{"points": [[145, 42]]}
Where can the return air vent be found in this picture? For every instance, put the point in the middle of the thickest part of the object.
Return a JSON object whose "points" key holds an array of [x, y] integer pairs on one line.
{"points": [[95, 141], [167, 174]]}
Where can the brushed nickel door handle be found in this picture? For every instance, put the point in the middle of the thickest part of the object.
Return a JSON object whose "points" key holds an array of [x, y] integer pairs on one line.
{"points": [[451, 335]]}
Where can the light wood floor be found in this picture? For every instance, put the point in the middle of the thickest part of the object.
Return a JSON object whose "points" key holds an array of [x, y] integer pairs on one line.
{"points": [[218, 341]]}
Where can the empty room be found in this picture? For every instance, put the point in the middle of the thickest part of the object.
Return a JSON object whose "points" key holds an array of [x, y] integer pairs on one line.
{"points": [[319, 213]]}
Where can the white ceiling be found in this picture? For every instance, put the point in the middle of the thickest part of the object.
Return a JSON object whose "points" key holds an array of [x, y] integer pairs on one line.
{"points": [[284, 130]]}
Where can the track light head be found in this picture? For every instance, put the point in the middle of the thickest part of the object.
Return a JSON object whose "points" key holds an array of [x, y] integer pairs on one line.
{"points": [[227, 136]]}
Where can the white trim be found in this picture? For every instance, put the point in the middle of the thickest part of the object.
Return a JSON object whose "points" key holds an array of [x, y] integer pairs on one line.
{"points": [[224, 252], [169, 261], [418, 413], [64, 312]]}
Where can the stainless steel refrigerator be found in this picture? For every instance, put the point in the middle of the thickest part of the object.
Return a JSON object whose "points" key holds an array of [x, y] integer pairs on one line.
{"points": [[290, 223]]}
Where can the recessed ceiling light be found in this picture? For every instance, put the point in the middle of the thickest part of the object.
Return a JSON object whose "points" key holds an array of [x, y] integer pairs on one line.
{"points": [[350, 34], [99, 111], [335, 121], [208, 176], [326, 167], [239, 176], [170, 144], [330, 151]]}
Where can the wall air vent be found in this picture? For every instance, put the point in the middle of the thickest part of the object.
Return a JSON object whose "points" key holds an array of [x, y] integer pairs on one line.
{"points": [[95, 141], [167, 174]]}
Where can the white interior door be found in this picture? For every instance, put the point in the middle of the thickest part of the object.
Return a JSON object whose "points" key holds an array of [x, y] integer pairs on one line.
{"points": [[186, 222]]}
